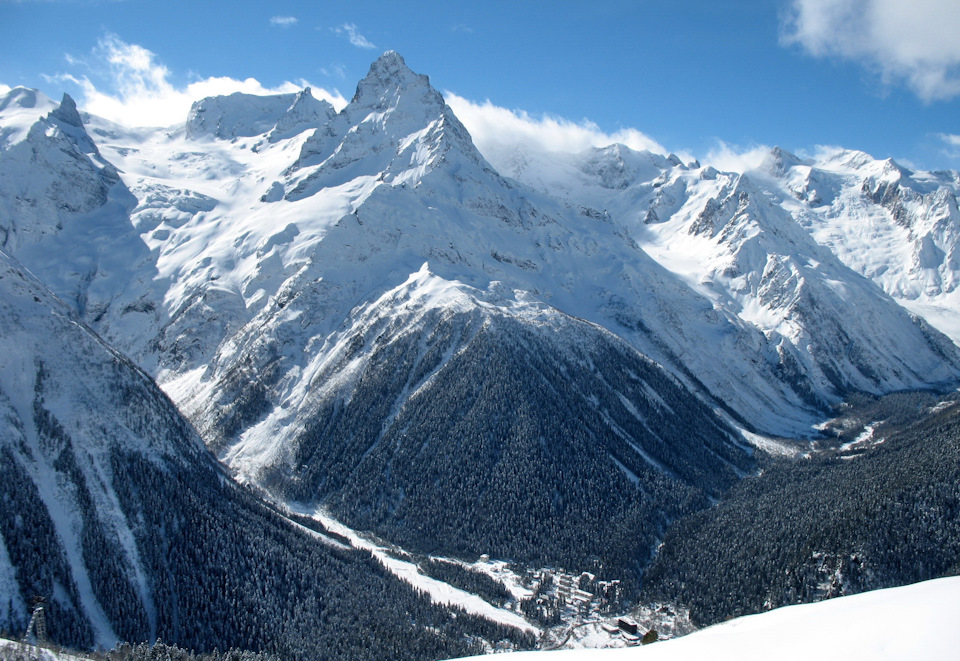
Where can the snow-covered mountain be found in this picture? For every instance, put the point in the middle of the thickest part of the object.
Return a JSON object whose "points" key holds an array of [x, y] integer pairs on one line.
{"points": [[76, 418], [895, 226], [64, 177], [758, 244], [898, 227], [356, 307], [112, 509]]}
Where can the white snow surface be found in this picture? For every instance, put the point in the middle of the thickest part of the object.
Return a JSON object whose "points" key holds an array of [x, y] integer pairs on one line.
{"points": [[408, 572], [912, 622], [17, 651]]}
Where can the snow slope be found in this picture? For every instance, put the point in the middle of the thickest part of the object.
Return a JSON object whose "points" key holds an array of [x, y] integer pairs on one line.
{"points": [[911, 622], [742, 240]]}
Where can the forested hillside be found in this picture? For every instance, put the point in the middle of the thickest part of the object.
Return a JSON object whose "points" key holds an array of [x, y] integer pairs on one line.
{"points": [[559, 446], [832, 524], [114, 513]]}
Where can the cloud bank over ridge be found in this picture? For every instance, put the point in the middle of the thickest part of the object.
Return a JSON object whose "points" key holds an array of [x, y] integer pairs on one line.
{"points": [[142, 94]]}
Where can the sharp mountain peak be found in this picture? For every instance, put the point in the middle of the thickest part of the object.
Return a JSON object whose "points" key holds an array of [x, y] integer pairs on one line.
{"points": [[67, 111], [391, 85]]}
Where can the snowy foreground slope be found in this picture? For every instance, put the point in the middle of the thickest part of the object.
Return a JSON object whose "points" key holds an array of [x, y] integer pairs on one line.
{"points": [[912, 622]]}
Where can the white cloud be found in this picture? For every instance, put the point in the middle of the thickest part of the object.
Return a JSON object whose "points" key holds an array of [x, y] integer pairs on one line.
{"points": [[4, 89], [499, 133], [951, 144], [283, 21], [142, 94], [951, 140], [733, 158], [334, 71], [354, 35], [909, 41]]}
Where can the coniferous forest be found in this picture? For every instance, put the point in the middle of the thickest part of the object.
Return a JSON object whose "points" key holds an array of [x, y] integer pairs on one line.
{"points": [[823, 526]]}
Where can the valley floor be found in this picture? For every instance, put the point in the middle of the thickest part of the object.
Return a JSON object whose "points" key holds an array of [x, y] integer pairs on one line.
{"points": [[564, 610]]}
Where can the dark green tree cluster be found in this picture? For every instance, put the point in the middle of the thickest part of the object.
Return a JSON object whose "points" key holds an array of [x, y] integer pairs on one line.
{"points": [[813, 528], [34, 549], [210, 566], [480, 433], [469, 580]]}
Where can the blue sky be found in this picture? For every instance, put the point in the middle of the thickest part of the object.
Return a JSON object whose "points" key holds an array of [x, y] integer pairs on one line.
{"points": [[711, 79]]}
